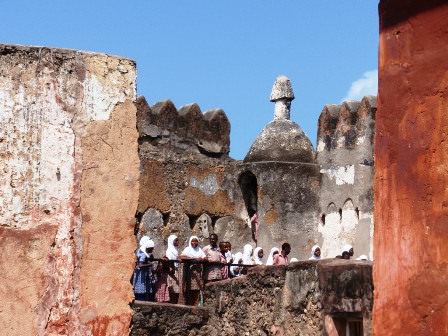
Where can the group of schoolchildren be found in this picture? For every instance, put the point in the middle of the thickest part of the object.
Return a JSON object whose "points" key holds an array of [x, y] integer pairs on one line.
{"points": [[168, 280]]}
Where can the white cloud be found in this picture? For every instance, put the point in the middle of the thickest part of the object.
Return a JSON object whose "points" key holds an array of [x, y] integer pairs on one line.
{"points": [[367, 85]]}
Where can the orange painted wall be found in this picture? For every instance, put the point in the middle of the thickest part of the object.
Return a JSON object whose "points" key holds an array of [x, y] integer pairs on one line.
{"points": [[411, 182]]}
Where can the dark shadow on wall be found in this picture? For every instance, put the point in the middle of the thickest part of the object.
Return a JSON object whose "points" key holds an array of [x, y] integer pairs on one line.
{"points": [[392, 12], [248, 184]]}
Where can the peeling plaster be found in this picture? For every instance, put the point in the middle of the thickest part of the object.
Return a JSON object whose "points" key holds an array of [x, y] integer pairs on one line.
{"points": [[341, 175], [320, 146], [100, 100], [209, 186]]}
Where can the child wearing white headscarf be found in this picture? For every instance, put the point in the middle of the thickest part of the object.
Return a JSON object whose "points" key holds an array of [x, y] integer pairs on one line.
{"points": [[193, 251], [144, 280], [172, 253], [143, 240], [235, 271], [192, 272], [349, 251], [257, 259], [270, 260], [247, 254], [315, 253]]}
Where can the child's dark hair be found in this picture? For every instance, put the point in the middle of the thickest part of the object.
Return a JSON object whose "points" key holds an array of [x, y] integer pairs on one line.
{"points": [[286, 246]]}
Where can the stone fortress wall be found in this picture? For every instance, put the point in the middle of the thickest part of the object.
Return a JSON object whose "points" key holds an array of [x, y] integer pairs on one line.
{"points": [[71, 183], [89, 168], [305, 298], [69, 189], [187, 179], [191, 186], [345, 155]]}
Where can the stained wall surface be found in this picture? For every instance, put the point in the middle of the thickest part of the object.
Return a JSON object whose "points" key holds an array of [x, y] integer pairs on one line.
{"points": [[287, 203], [411, 152], [69, 190], [189, 185], [345, 155], [304, 298]]}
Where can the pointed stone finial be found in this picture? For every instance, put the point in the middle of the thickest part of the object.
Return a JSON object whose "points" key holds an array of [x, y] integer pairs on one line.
{"points": [[282, 89], [282, 95]]}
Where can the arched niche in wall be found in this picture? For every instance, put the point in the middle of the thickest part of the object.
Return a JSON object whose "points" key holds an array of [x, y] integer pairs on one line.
{"points": [[350, 216], [249, 188], [333, 215], [331, 208], [203, 227], [348, 204]]}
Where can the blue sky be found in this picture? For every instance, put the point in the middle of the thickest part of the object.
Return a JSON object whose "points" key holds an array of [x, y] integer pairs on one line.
{"points": [[223, 54]]}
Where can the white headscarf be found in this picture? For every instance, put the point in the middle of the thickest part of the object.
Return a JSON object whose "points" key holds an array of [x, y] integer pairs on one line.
{"points": [[294, 260], [143, 240], [191, 252], [172, 253], [147, 244], [270, 260], [247, 254], [236, 260], [229, 256], [257, 259], [313, 249], [347, 248]]}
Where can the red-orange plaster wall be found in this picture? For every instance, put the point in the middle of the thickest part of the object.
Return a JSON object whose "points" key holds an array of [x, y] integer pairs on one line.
{"points": [[411, 182]]}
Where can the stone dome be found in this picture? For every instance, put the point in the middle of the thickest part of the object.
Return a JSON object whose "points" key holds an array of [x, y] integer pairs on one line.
{"points": [[281, 140]]}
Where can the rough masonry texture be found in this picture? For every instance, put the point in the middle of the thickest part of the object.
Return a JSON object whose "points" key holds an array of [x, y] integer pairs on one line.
{"points": [[345, 155], [189, 184], [89, 168], [306, 298], [69, 191], [411, 154]]}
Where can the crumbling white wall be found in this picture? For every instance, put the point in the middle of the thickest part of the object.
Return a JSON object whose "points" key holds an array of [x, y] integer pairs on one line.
{"points": [[52, 103], [345, 154]]}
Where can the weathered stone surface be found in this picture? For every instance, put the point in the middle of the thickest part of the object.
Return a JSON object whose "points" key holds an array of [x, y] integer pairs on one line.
{"points": [[345, 154], [281, 140], [203, 227], [287, 204], [109, 195], [25, 263], [166, 319], [69, 189], [207, 190], [411, 154], [187, 128], [233, 230], [152, 219], [282, 89], [185, 177], [275, 300]]}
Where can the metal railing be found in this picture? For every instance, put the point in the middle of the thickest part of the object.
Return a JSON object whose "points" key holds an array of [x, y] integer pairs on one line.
{"points": [[183, 279]]}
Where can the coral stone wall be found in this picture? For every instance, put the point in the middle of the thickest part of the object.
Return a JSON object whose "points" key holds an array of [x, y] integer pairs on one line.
{"points": [[305, 298], [411, 153], [69, 190], [189, 185], [345, 154], [287, 203]]}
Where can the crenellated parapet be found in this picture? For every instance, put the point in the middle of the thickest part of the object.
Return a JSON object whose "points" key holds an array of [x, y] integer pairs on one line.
{"points": [[349, 126], [186, 127]]}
